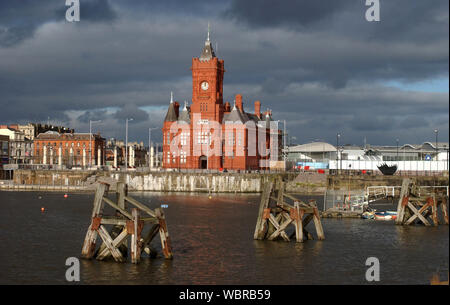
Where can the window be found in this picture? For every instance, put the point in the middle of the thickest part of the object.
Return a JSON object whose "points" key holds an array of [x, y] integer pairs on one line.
{"points": [[168, 138], [231, 138], [183, 157], [184, 138], [168, 157], [203, 137]]}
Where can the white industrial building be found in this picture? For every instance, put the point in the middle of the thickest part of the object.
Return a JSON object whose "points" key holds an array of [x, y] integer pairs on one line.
{"points": [[409, 157]]}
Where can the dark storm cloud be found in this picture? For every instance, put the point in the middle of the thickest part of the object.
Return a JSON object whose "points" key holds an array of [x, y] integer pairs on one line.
{"points": [[400, 19], [131, 111], [318, 64], [20, 19], [92, 116], [267, 13]]}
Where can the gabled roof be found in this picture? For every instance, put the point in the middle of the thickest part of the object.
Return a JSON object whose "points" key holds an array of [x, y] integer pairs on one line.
{"points": [[235, 116]]}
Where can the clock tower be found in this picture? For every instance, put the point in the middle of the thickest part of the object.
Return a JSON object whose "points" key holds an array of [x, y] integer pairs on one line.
{"points": [[207, 84]]}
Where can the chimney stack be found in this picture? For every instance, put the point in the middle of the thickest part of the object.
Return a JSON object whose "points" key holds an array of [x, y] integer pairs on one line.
{"points": [[177, 108], [258, 109], [239, 102]]}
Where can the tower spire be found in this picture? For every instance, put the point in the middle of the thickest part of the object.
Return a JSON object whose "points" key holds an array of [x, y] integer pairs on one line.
{"points": [[207, 39], [171, 97]]}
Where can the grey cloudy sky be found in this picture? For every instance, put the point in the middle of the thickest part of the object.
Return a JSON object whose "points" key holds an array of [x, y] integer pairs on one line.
{"points": [[318, 64]]}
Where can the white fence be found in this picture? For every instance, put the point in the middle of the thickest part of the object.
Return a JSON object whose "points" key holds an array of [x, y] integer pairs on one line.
{"points": [[422, 166]]}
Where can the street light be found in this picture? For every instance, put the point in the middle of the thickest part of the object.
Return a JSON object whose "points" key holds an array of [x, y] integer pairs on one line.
{"points": [[436, 131], [90, 141], [284, 142], [150, 142], [126, 142], [397, 148], [337, 150]]}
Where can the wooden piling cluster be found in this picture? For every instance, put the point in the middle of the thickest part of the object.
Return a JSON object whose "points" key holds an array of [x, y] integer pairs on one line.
{"points": [[125, 223], [415, 206], [276, 214]]}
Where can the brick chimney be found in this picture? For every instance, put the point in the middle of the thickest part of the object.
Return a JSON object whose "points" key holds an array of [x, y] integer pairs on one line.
{"points": [[258, 109], [177, 108], [227, 106], [239, 102]]}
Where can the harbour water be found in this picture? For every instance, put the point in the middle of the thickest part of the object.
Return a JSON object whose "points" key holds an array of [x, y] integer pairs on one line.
{"points": [[212, 243]]}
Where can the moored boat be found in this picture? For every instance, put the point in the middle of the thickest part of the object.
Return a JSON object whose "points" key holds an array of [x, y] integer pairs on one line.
{"points": [[388, 215]]}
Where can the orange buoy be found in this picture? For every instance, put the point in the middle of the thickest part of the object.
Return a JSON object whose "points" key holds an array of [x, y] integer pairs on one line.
{"points": [[42, 209]]}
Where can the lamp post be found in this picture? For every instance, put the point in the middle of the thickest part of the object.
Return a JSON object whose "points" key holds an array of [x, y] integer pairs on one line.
{"points": [[397, 148], [90, 141], [337, 150], [208, 141], [436, 131], [150, 142], [284, 142], [126, 142]]}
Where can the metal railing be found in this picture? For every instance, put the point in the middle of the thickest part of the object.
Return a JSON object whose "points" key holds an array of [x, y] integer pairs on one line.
{"points": [[374, 193]]}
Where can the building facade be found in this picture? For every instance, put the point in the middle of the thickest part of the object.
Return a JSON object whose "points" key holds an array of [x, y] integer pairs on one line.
{"points": [[211, 134], [4, 150], [115, 154], [69, 149], [4, 155], [20, 147]]}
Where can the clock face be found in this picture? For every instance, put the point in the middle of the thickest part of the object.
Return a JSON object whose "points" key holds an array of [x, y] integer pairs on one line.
{"points": [[205, 85]]}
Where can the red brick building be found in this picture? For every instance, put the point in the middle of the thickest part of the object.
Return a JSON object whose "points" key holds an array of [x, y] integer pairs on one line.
{"points": [[211, 134], [69, 149]]}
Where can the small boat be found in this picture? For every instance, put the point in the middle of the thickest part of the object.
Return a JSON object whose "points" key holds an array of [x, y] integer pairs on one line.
{"points": [[387, 170], [368, 215], [389, 215]]}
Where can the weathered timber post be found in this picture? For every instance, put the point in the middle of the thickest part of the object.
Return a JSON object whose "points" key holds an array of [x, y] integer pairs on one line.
{"points": [[263, 213], [317, 222], [134, 227], [91, 235], [403, 201], [434, 210], [164, 234], [297, 216], [444, 209], [121, 192]]}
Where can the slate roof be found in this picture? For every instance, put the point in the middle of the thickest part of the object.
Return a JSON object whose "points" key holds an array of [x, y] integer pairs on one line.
{"points": [[185, 115], [235, 116]]}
